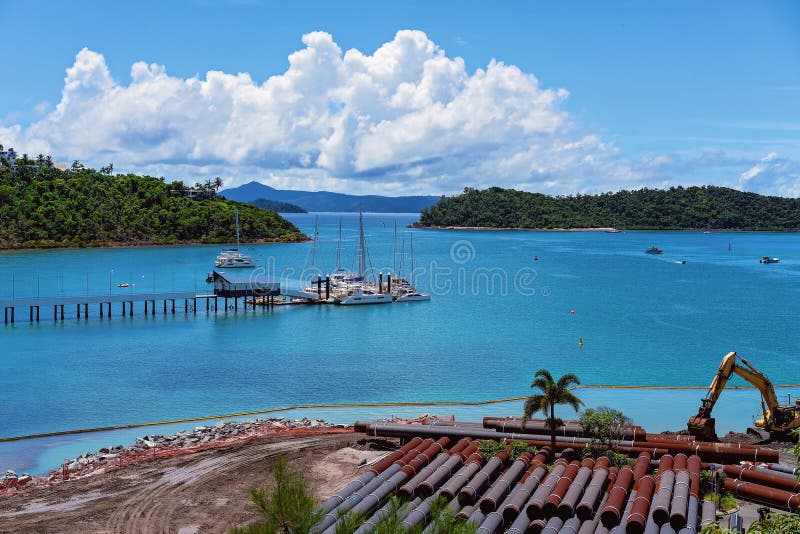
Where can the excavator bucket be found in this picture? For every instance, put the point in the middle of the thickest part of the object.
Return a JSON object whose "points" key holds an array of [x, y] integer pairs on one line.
{"points": [[703, 428]]}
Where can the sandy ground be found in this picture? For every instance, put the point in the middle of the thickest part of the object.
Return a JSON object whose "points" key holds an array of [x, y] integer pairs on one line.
{"points": [[201, 492]]}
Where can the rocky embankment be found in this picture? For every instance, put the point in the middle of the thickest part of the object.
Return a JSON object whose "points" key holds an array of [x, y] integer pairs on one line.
{"points": [[155, 446]]}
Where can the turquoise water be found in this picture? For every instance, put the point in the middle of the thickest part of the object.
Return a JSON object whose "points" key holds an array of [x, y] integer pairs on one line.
{"points": [[496, 317]]}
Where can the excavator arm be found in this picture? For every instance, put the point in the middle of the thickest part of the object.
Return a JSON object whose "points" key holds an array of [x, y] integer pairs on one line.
{"points": [[702, 425]]}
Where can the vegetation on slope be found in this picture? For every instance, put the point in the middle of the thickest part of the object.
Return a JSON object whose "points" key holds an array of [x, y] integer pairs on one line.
{"points": [[280, 207], [41, 206], [677, 208]]}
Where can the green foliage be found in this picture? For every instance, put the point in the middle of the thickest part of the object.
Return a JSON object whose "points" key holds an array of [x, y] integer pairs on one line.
{"points": [[604, 427], [489, 448], [777, 524], [552, 393], [674, 208], [707, 481], [280, 207], [45, 207], [795, 449], [615, 459], [286, 507]]}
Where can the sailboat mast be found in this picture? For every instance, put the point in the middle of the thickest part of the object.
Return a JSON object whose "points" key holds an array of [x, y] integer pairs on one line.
{"points": [[362, 266], [236, 218], [314, 244], [411, 274], [339, 246], [394, 249]]}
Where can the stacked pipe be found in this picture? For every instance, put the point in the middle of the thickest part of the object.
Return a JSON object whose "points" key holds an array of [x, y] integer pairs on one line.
{"points": [[656, 443], [539, 426], [535, 506], [483, 478], [772, 489], [611, 514]]}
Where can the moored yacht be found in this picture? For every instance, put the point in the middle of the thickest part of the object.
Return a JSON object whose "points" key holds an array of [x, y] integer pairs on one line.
{"points": [[233, 257], [357, 290]]}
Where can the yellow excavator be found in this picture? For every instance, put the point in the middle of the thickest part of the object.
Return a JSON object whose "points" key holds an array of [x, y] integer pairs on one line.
{"points": [[777, 419]]}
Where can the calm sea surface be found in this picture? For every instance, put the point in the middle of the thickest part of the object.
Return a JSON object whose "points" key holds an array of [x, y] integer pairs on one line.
{"points": [[496, 317]]}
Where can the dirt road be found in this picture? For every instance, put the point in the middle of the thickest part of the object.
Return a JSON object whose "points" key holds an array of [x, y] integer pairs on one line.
{"points": [[202, 492]]}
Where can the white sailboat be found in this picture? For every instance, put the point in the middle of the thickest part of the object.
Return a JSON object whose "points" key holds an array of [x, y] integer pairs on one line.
{"points": [[410, 293], [359, 291], [232, 258]]}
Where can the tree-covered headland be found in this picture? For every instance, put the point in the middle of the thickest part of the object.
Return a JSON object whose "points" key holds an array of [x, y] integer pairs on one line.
{"points": [[677, 208], [42, 206]]}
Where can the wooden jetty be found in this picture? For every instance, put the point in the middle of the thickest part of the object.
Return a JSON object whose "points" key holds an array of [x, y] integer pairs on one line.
{"points": [[229, 290]]}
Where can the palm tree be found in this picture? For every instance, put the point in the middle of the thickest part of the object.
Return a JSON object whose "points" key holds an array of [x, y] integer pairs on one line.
{"points": [[552, 393]]}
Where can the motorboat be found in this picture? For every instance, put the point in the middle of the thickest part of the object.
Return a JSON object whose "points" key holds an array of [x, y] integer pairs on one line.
{"points": [[768, 259], [413, 296], [654, 250], [365, 296]]}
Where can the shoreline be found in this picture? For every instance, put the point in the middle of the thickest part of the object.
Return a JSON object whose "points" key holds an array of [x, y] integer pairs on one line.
{"points": [[599, 229], [146, 244]]}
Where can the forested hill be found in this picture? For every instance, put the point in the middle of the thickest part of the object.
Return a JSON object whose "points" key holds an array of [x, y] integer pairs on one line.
{"points": [[41, 206], [672, 209], [274, 205]]}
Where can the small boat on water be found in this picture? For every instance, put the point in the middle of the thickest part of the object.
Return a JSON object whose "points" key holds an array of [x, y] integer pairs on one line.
{"points": [[768, 259], [613, 229], [232, 257], [365, 296], [123, 285], [654, 250], [413, 296]]}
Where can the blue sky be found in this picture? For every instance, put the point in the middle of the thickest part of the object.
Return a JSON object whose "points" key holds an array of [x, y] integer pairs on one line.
{"points": [[659, 93]]}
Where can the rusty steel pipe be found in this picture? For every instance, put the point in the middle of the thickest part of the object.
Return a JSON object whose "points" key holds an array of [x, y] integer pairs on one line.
{"points": [[333, 514], [571, 526], [375, 497], [693, 466], [610, 516], [784, 468], [641, 505], [535, 504], [691, 517], [408, 490], [708, 515], [586, 507], [775, 480], [680, 462], [566, 507], [539, 426], [641, 466], [503, 485], [522, 492], [550, 507], [588, 526], [451, 488], [623, 520], [437, 478], [371, 473], [680, 500], [779, 498], [482, 478], [666, 481]]}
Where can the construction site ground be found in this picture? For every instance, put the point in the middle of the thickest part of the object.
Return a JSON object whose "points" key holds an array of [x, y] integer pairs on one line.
{"points": [[205, 491]]}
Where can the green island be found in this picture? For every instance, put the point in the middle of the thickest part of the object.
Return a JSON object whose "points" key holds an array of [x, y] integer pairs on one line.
{"points": [[42, 206], [275, 205], [677, 208]]}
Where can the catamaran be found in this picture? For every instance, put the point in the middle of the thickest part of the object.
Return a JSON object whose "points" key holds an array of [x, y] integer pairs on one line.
{"points": [[232, 257], [358, 290], [406, 292]]}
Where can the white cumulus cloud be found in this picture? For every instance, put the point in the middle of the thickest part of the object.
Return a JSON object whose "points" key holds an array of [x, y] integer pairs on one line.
{"points": [[406, 118], [772, 175]]}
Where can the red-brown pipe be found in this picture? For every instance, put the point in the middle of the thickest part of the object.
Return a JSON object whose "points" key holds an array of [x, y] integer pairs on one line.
{"points": [[537, 500], [693, 466], [679, 462], [384, 464], [762, 477], [482, 478], [641, 506], [550, 507], [641, 466], [776, 497], [566, 507], [504, 483], [616, 498]]}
